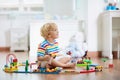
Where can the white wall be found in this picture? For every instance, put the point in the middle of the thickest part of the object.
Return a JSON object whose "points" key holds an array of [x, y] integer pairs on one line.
{"points": [[4, 31], [89, 12], [8, 21], [59, 7], [81, 9], [95, 8]]}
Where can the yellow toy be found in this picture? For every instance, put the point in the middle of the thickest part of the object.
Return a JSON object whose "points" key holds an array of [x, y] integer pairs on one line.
{"points": [[13, 63]]}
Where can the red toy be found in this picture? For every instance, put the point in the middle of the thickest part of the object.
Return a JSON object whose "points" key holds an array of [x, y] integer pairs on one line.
{"points": [[87, 71]]}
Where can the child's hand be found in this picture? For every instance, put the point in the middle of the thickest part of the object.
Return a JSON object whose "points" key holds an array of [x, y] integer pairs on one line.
{"points": [[58, 54], [52, 55], [47, 57]]}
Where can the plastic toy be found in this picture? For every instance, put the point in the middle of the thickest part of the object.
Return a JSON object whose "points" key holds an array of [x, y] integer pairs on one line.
{"points": [[104, 60], [78, 72], [84, 62], [70, 71], [26, 65], [11, 59], [87, 71], [111, 6], [110, 65], [98, 68], [12, 66], [57, 72]]}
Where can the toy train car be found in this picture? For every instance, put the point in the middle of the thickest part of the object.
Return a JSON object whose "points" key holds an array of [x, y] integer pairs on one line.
{"points": [[98, 68]]}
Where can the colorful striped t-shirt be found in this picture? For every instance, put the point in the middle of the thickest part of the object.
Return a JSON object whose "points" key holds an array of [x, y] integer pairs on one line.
{"points": [[47, 48]]}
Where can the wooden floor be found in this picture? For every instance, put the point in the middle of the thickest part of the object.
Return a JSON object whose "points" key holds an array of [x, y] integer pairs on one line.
{"points": [[106, 74]]}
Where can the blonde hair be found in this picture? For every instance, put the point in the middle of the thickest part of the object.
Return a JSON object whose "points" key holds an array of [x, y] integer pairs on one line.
{"points": [[46, 28]]}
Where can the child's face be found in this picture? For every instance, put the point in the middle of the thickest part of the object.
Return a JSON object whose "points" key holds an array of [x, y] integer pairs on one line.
{"points": [[54, 33]]}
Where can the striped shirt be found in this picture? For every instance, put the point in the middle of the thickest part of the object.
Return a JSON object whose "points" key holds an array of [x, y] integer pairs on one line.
{"points": [[47, 48]]}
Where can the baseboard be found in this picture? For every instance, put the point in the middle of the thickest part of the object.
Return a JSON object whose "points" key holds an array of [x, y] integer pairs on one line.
{"points": [[94, 54], [114, 54], [7, 49], [4, 49]]}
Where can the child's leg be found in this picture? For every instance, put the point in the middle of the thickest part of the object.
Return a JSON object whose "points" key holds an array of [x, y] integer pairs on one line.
{"points": [[63, 59], [60, 64]]}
